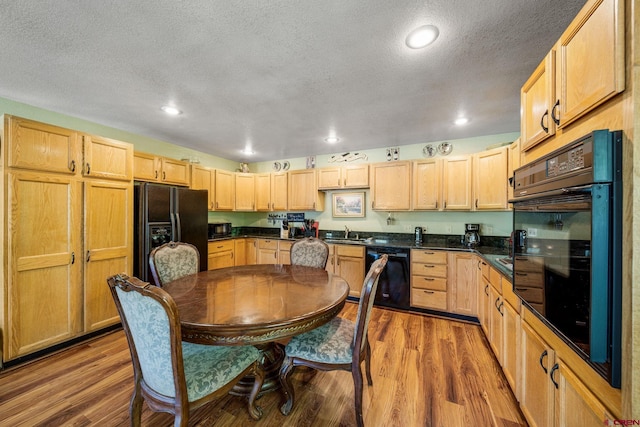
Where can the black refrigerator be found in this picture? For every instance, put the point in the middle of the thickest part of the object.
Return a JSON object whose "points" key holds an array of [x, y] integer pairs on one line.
{"points": [[165, 213]]}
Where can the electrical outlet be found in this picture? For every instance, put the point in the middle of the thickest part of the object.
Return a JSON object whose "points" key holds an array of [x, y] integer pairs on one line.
{"points": [[532, 232]]}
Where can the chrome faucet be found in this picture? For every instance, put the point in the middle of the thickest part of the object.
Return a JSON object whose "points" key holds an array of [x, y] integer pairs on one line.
{"points": [[346, 232]]}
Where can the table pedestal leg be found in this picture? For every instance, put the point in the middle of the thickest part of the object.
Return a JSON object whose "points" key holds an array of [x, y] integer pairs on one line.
{"points": [[273, 355]]}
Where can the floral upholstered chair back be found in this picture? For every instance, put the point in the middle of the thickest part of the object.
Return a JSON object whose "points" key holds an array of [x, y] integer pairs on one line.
{"points": [[367, 298], [172, 261], [310, 252]]}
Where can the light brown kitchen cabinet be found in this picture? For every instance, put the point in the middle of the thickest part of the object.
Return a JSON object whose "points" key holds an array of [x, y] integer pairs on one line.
{"points": [[267, 251], [107, 206], [429, 279], [484, 295], [245, 197], [591, 57], [271, 191], [461, 283], [491, 179], [251, 247], [456, 183], [107, 158], [496, 327], [427, 184], [537, 99], [336, 177], [511, 336], [303, 191], [38, 146], [204, 179], [390, 186], [349, 263], [149, 167], [220, 254], [536, 395], [43, 262], [513, 164], [240, 252], [284, 252], [225, 190]]}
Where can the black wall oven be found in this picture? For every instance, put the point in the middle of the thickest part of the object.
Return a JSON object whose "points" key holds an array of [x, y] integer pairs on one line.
{"points": [[567, 245]]}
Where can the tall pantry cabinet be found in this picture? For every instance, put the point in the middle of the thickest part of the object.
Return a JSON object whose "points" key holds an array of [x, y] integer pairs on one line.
{"points": [[67, 215]]}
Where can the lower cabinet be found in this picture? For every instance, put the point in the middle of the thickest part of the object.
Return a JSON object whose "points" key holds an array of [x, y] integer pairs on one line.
{"points": [[221, 254], [461, 272], [267, 251], [348, 262], [284, 252], [429, 279], [240, 252]]}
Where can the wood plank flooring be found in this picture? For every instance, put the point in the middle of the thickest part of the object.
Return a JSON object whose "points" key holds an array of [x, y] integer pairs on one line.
{"points": [[426, 372]]}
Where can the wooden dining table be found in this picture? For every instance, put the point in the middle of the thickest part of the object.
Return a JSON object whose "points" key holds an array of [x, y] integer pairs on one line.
{"points": [[260, 305]]}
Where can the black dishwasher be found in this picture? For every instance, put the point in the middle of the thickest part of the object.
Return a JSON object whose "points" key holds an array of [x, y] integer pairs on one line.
{"points": [[394, 288]]}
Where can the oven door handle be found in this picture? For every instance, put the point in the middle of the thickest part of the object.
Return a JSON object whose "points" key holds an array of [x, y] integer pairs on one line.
{"points": [[525, 196]]}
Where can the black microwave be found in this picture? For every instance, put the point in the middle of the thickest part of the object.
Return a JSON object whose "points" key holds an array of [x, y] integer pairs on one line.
{"points": [[219, 229]]}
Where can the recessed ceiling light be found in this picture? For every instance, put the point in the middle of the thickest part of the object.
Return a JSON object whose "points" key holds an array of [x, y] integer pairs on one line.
{"points": [[171, 110], [248, 151], [461, 121], [332, 139], [422, 36]]}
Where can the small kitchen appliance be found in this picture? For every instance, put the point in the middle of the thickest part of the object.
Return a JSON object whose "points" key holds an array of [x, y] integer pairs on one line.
{"points": [[471, 237], [418, 234]]}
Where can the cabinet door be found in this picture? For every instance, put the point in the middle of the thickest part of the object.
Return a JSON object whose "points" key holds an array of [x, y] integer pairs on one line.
{"points": [[329, 178], [267, 251], [575, 404], [38, 146], [456, 184], [225, 190], [461, 283], [513, 164], [174, 171], [284, 252], [511, 348], [350, 265], [427, 184], [263, 192], [491, 179], [43, 278], [239, 252], [391, 186], [251, 246], [108, 242], [331, 260], [279, 191], [107, 158], [355, 176], [220, 259], [245, 199], [591, 59], [484, 304], [536, 392], [204, 179], [496, 325], [303, 191], [146, 167], [536, 103]]}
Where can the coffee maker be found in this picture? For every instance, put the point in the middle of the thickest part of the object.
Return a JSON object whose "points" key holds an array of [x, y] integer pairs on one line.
{"points": [[471, 237]]}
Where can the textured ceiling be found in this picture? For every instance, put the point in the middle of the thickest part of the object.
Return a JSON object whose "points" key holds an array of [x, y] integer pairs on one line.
{"points": [[281, 75]]}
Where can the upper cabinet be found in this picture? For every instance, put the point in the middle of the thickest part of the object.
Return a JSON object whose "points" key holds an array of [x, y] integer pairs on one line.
{"points": [[584, 69], [148, 167], [336, 177], [245, 199], [303, 191], [107, 158], [204, 179], [491, 179], [390, 186], [225, 190], [427, 184], [456, 183], [271, 191], [43, 147]]}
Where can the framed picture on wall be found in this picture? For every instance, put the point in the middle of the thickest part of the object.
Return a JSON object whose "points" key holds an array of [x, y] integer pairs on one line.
{"points": [[348, 205]]}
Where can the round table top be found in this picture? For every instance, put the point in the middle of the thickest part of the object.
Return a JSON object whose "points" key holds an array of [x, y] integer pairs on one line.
{"points": [[255, 303]]}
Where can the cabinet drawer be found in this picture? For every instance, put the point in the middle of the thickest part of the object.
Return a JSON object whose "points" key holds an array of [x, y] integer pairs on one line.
{"points": [[285, 245], [350, 250], [531, 295], [529, 263], [495, 278], [529, 279], [432, 283], [426, 269], [430, 257], [267, 244], [225, 245], [429, 299]]}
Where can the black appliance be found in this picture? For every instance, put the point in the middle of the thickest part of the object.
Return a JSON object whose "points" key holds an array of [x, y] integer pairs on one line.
{"points": [[394, 286], [471, 236], [567, 251], [164, 213], [219, 229]]}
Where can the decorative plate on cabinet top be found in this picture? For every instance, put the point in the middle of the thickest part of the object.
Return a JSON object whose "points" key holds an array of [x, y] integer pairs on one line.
{"points": [[445, 148], [429, 151], [286, 166], [277, 166]]}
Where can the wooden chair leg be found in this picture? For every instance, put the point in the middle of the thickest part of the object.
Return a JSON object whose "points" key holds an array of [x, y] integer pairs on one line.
{"points": [[367, 363], [258, 375], [135, 406], [356, 373], [286, 386]]}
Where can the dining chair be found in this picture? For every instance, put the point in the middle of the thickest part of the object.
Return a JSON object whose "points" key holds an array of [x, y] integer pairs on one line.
{"points": [[339, 344], [309, 252], [172, 261], [171, 375]]}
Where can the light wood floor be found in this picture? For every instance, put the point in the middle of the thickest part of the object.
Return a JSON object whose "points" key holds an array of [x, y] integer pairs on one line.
{"points": [[426, 372]]}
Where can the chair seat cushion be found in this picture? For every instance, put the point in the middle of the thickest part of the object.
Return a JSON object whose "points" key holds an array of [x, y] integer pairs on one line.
{"points": [[330, 343], [208, 367]]}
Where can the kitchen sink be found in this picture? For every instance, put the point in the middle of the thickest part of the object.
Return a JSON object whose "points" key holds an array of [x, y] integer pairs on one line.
{"points": [[349, 240]]}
